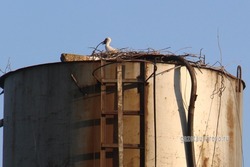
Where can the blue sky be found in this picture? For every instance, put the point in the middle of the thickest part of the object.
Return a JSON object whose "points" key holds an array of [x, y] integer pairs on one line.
{"points": [[34, 32]]}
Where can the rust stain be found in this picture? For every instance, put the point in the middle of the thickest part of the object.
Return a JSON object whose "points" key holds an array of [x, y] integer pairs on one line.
{"points": [[217, 161], [204, 158], [230, 123], [205, 162]]}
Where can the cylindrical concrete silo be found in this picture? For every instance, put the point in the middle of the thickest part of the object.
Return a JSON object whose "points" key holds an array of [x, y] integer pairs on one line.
{"points": [[99, 113]]}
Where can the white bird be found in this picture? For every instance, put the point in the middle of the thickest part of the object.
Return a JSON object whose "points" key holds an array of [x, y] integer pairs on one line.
{"points": [[109, 48]]}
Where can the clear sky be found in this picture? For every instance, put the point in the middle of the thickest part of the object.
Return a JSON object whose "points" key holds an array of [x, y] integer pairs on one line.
{"points": [[37, 32]]}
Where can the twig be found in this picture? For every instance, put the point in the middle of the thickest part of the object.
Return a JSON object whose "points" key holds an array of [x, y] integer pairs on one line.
{"points": [[7, 68], [96, 48], [218, 40], [188, 47]]}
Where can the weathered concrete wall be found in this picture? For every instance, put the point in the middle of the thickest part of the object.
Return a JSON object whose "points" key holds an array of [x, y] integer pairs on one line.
{"points": [[217, 116], [48, 121]]}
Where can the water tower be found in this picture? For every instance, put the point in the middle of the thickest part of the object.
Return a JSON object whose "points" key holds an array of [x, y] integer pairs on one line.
{"points": [[129, 109]]}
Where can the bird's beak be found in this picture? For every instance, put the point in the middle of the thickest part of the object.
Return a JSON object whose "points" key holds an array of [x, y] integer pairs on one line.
{"points": [[104, 42]]}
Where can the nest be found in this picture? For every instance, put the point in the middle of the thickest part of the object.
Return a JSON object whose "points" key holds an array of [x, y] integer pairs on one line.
{"points": [[150, 55], [197, 60]]}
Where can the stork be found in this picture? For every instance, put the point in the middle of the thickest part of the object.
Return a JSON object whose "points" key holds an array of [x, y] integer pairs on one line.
{"points": [[109, 48]]}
